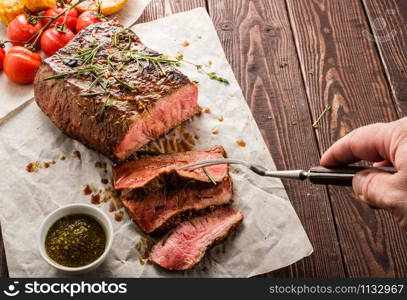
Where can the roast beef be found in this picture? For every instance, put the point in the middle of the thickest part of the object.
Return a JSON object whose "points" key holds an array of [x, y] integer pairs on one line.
{"points": [[158, 211], [185, 246], [112, 93], [138, 173]]}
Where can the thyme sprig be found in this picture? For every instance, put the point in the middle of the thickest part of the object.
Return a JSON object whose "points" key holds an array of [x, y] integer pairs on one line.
{"points": [[176, 61], [96, 69], [108, 102], [104, 69], [88, 56], [199, 67], [326, 108], [119, 35], [208, 175], [92, 94], [129, 86], [99, 14]]}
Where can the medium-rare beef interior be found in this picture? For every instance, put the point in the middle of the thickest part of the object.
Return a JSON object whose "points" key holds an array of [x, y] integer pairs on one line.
{"points": [[185, 246], [165, 208], [112, 93], [159, 196], [141, 172]]}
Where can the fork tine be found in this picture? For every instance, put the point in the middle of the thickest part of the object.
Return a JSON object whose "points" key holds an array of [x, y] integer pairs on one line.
{"points": [[200, 164], [212, 162]]}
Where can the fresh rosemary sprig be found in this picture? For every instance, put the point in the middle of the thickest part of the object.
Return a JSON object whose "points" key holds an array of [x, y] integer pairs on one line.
{"points": [[129, 86], [92, 94], [78, 72], [87, 56], [214, 76], [158, 58], [211, 75], [103, 70], [208, 175], [326, 108], [109, 102], [118, 35], [98, 14]]}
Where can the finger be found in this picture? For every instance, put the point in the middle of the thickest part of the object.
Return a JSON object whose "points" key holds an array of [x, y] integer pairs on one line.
{"points": [[377, 188], [365, 143], [383, 163]]}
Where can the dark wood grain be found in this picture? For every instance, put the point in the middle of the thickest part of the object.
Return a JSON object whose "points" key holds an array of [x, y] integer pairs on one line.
{"points": [[258, 42], [388, 21], [162, 8], [347, 74]]}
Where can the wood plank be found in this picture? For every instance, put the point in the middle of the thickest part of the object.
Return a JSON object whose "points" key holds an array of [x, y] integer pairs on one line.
{"points": [[347, 74], [258, 43], [162, 8], [387, 21]]}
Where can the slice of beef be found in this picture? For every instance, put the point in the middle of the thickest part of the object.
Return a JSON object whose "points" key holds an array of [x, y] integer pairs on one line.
{"points": [[118, 97], [165, 208], [139, 173], [185, 246]]}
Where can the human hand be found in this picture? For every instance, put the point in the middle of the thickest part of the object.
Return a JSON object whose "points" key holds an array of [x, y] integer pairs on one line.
{"points": [[384, 144]]}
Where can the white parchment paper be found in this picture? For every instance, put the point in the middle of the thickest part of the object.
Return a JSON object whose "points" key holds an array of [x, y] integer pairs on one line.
{"points": [[271, 235], [13, 95]]}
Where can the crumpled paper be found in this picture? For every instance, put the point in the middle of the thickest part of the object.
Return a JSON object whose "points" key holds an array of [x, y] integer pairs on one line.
{"points": [[13, 95], [271, 235]]}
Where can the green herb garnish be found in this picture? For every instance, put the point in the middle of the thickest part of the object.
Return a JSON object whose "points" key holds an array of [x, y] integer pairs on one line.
{"points": [[103, 70], [129, 86], [109, 102], [208, 175], [214, 76], [88, 56], [122, 34], [326, 108], [92, 94]]}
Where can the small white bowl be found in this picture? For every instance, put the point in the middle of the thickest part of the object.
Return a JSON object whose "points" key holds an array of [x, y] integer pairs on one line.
{"points": [[70, 210]]}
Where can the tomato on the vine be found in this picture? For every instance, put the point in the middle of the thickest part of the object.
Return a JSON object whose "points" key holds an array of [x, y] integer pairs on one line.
{"points": [[52, 40], [21, 30], [71, 18], [2, 55], [87, 18], [20, 64]]}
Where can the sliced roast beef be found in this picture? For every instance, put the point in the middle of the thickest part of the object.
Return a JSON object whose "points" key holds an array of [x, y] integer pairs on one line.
{"points": [[112, 93], [138, 173], [185, 246], [165, 208]]}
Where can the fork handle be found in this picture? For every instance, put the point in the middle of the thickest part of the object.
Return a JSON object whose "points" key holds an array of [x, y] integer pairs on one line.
{"points": [[339, 175]]}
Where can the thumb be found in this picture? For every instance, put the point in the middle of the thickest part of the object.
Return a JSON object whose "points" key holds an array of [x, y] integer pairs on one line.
{"points": [[377, 188]]}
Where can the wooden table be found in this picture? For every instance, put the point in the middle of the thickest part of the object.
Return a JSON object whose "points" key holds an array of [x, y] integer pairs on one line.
{"points": [[291, 58]]}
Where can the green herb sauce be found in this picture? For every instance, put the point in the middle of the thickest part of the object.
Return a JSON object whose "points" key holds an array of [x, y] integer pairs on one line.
{"points": [[75, 240]]}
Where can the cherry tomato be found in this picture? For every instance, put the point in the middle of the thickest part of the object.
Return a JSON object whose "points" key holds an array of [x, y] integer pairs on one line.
{"points": [[87, 18], [52, 40], [2, 55], [70, 19], [21, 30], [20, 64]]}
